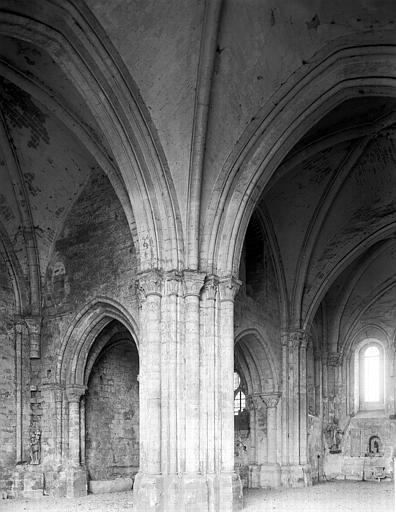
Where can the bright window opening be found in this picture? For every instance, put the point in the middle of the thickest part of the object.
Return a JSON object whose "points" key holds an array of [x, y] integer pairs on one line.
{"points": [[370, 367], [239, 395], [371, 362]]}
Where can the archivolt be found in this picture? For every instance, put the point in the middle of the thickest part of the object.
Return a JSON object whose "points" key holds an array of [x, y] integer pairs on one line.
{"points": [[383, 233], [253, 349], [81, 335], [108, 339], [358, 339], [17, 278]]}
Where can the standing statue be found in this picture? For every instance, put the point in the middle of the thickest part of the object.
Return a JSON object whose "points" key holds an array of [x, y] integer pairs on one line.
{"points": [[35, 446], [334, 436]]}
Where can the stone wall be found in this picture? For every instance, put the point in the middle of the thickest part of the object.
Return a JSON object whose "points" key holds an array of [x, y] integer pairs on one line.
{"points": [[315, 447], [112, 414], [94, 256], [7, 380], [354, 462], [242, 446], [257, 303]]}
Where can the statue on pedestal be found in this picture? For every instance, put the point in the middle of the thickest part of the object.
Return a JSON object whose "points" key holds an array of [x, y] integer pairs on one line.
{"points": [[334, 435], [35, 446]]}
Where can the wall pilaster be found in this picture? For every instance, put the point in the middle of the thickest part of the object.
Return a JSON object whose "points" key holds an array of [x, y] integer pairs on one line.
{"points": [[76, 477], [34, 328], [193, 285]]}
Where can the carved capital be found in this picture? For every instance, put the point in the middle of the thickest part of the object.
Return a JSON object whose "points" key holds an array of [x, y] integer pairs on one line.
{"points": [[284, 339], [58, 394], [56, 389], [250, 403], [173, 283], [270, 400], [334, 359], [75, 392], [19, 324], [148, 283], [194, 282], [297, 339], [253, 402], [229, 287], [304, 342], [210, 287]]}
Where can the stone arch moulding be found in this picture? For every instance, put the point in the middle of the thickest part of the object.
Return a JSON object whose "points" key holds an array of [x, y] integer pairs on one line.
{"points": [[82, 333], [266, 348], [15, 273], [359, 339], [377, 293], [277, 261], [110, 339], [71, 121], [68, 31], [346, 68], [370, 334], [382, 234]]}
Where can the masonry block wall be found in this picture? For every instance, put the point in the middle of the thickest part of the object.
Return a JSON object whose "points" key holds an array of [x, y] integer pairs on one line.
{"points": [[258, 301], [94, 257], [357, 426], [7, 380], [257, 351], [112, 414]]}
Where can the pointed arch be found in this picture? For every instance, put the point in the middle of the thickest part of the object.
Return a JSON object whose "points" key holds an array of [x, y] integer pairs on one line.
{"points": [[68, 31], [342, 70], [252, 345], [379, 235], [18, 280], [82, 333]]}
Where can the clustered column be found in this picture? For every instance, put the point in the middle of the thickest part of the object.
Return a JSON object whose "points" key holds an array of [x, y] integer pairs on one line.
{"points": [[186, 392], [271, 401], [230, 485], [147, 482], [295, 468], [193, 284]]}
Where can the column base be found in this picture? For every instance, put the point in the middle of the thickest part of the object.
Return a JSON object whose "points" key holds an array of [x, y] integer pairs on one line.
{"points": [[297, 475], [270, 475], [190, 492], [55, 480], [229, 495], [28, 481], [147, 492], [254, 476], [76, 482]]}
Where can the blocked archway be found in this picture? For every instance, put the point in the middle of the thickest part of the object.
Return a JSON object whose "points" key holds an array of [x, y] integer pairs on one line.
{"points": [[257, 444], [111, 402], [102, 331]]}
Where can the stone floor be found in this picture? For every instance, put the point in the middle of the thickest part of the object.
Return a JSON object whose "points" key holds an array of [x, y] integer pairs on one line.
{"points": [[329, 497], [332, 496]]}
